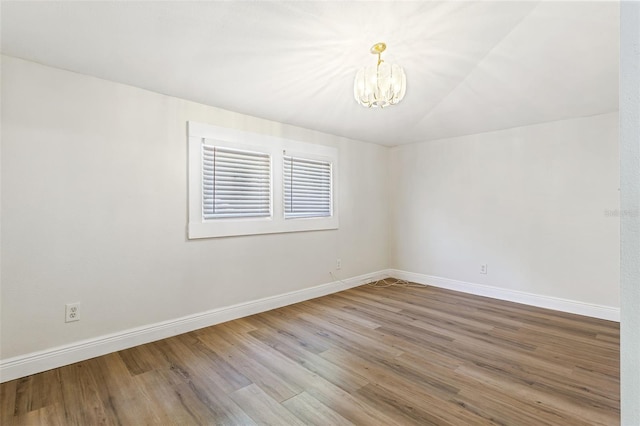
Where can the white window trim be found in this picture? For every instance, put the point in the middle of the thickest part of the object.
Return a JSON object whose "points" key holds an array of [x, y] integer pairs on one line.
{"points": [[198, 227]]}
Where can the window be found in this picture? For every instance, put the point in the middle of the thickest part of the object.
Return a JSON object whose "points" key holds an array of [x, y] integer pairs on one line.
{"points": [[243, 183], [235, 183], [307, 188]]}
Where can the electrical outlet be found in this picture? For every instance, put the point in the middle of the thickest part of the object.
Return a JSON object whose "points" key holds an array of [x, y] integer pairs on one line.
{"points": [[338, 264], [483, 269], [72, 312]]}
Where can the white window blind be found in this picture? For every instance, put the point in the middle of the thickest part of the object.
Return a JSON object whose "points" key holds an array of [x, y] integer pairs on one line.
{"points": [[307, 188], [235, 184], [240, 183]]}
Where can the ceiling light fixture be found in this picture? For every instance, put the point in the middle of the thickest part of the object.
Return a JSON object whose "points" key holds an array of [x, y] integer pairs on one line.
{"points": [[379, 85]]}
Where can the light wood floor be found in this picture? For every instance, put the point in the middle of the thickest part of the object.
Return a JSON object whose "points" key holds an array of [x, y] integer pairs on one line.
{"points": [[365, 356]]}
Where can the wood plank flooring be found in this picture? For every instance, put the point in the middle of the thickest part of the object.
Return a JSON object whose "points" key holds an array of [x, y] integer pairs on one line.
{"points": [[365, 356]]}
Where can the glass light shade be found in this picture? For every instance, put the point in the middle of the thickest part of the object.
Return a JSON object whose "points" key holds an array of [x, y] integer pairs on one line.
{"points": [[380, 85]]}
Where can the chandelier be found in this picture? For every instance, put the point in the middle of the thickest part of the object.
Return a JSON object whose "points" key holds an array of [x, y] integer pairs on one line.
{"points": [[381, 84]]}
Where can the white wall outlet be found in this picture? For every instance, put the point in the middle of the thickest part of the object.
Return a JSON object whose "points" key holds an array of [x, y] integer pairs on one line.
{"points": [[483, 269], [338, 264], [72, 312]]}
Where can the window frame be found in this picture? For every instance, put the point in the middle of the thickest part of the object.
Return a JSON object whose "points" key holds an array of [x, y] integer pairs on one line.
{"points": [[275, 147]]}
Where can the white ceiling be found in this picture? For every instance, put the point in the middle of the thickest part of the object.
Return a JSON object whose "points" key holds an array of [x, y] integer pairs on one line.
{"points": [[471, 67]]}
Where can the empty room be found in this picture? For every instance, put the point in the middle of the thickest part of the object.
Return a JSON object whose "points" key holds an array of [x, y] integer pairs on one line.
{"points": [[320, 213]]}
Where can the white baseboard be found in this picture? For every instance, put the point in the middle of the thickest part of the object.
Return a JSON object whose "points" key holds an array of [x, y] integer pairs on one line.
{"points": [[565, 305], [40, 361]]}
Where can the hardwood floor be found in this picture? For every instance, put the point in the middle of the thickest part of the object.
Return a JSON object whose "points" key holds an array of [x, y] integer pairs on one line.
{"points": [[365, 356]]}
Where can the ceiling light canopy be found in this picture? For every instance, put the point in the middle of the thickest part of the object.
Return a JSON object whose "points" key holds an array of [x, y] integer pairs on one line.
{"points": [[381, 84]]}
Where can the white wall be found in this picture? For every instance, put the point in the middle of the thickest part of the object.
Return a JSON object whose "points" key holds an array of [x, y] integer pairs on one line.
{"points": [[94, 209], [529, 202], [630, 205]]}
